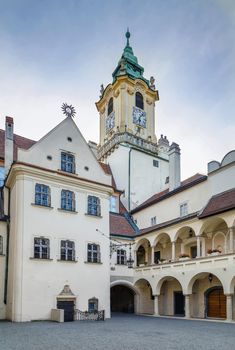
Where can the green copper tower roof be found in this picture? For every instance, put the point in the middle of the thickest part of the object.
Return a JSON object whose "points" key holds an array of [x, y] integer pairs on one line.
{"points": [[128, 64]]}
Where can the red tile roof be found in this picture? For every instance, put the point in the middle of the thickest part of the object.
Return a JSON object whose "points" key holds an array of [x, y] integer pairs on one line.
{"points": [[191, 181], [120, 226], [219, 204], [19, 142]]}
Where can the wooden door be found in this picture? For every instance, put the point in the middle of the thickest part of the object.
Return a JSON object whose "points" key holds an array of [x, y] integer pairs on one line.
{"points": [[216, 303], [68, 307]]}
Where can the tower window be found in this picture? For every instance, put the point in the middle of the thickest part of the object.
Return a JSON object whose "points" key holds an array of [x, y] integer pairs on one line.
{"points": [[139, 100], [110, 106]]}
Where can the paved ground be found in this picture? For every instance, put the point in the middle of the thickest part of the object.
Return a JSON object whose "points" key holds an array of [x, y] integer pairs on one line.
{"points": [[120, 333]]}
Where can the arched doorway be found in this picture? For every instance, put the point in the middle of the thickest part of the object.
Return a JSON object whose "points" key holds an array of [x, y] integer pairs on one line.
{"points": [[215, 303], [122, 299], [207, 296], [171, 297]]}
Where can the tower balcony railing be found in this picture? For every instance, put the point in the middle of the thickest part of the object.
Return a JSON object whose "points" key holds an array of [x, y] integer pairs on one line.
{"points": [[126, 137]]}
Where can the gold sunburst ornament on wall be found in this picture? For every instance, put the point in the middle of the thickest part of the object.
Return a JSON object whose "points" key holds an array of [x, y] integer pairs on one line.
{"points": [[68, 110]]}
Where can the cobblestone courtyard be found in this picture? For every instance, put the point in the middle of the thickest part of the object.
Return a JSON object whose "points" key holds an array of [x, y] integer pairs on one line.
{"points": [[121, 332]]}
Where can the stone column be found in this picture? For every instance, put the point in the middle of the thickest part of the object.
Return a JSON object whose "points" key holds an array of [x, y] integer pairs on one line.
{"points": [[231, 240], [198, 247], [187, 306], [229, 307], [152, 255], [173, 251], [135, 258], [156, 305], [203, 246]]}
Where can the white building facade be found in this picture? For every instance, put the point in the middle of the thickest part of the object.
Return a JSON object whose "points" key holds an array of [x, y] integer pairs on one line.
{"points": [[76, 216]]}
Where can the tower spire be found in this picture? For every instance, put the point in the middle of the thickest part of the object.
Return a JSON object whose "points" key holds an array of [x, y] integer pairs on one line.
{"points": [[128, 34]]}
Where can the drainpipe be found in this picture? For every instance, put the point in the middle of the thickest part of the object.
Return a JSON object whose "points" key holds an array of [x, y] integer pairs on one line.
{"points": [[129, 180], [7, 248], [129, 175]]}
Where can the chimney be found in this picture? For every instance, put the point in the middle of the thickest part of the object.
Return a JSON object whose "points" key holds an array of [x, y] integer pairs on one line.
{"points": [[9, 143], [174, 166]]}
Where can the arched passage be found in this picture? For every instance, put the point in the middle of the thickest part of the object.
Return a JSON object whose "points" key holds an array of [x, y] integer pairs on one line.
{"points": [[123, 297], [146, 298], [171, 298], [207, 296]]}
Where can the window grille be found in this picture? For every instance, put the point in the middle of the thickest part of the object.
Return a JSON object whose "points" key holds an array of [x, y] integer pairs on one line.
{"points": [[41, 248], [42, 195], [67, 250], [67, 200], [121, 257], [93, 206], [93, 253], [67, 162]]}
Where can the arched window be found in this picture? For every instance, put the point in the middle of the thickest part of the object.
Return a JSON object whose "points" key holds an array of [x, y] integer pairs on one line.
{"points": [[139, 101], [110, 106]]}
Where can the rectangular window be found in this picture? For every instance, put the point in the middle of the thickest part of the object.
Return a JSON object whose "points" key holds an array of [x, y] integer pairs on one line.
{"points": [[93, 207], [67, 200], [68, 162], [42, 195], [1, 245], [113, 204], [155, 163], [93, 253], [153, 221], [67, 250], [121, 257], [41, 248], [93, 305], [183, 209], [157, 257]]}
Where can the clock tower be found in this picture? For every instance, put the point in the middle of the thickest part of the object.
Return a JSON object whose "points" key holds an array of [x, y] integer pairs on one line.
{"points": [[127, 130]]}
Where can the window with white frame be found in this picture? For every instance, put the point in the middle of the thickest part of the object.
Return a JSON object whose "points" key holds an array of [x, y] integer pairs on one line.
{"points": [[93, 206], [121, 257], [67, 250], [1, 245], [113, 204], [153, 221], [67, 200], [93, 253], [184, 209], [41, 248], [67, 162], [42, 195]]}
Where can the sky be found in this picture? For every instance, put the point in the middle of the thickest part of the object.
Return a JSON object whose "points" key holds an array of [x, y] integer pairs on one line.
{"points": [[56, 51]]}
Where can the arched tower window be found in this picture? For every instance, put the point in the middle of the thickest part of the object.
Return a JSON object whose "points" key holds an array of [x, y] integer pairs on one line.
{"points": [[110, 106], [139, 100]]}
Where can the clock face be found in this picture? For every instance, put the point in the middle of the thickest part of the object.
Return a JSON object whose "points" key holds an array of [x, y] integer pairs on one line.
{"points": [[110, 121], [139, 117]]}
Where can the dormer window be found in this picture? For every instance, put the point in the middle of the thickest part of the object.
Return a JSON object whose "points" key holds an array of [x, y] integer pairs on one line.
{"points": [[139, 100], [110, 106]]}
